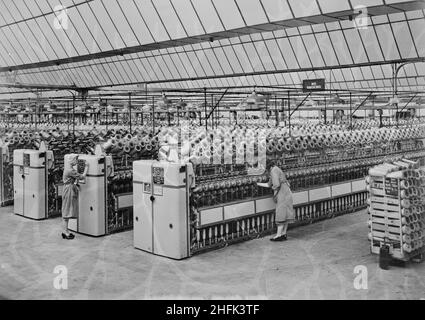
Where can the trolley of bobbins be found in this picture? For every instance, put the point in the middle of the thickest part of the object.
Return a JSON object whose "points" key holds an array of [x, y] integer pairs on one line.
{"points": [[396, 208]]}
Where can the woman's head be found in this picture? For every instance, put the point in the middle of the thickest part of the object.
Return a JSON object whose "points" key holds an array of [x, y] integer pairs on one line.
{"points": [[270, 164], [74, 161]]}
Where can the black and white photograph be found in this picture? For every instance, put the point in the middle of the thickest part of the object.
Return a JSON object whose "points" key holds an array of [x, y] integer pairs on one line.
{"points": [[212, 154]]}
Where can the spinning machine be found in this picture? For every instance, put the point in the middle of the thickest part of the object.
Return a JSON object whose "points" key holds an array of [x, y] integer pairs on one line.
{"points": [[162, 219], [106, 195], [10, 141], [31, 181], [93, 207], [226, 205]]}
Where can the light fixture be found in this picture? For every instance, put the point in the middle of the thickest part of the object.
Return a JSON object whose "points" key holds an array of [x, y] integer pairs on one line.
{"points": [[52, 107], [192, 108], [254, 98], [310, 103], [335, 98], [110, 108], [393, 101], [164, 102], [29, 109], [47, 106], [181, 104], [78, 108], [146, 108], [253, 102]]}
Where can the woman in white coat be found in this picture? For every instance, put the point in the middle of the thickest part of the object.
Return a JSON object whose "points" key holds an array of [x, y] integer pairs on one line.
{"points": [[282, 196]]}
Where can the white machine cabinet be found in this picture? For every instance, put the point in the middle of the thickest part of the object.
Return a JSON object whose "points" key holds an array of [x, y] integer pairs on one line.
{"points": [[92, 217], [30, 180], [161, 213]]}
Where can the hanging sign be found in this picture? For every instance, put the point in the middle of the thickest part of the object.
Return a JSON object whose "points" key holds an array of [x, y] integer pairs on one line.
{"points": [[314, 85]]}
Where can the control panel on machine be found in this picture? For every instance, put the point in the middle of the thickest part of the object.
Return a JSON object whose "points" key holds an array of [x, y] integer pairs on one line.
{"points": [[158, 180], [81, 165]]}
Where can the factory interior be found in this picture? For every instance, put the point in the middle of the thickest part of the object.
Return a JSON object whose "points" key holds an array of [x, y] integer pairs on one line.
{"points": [[212, 149]]}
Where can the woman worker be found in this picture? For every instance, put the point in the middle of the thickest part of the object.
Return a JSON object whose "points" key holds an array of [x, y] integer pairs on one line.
{"points": [[70, 194], [282, 195]]}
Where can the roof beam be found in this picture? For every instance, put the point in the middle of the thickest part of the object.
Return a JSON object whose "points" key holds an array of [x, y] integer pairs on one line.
{"points": [[39, 86], [256, 73]]}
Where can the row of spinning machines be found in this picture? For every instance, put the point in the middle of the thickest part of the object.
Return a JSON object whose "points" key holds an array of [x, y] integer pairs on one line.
{"points": [[33, 174], [183, 208], [105, 194]]}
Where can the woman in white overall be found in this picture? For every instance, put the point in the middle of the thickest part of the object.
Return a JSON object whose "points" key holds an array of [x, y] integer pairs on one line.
{"points": [[70, 195], [282, 195]]}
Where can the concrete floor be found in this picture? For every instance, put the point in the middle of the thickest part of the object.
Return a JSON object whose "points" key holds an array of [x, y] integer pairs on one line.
{"points": [[317, 262]]}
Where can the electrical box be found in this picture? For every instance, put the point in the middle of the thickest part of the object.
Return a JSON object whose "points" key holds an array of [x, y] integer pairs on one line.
{"points": [[30, 180], [92, 217], [161, 207]]}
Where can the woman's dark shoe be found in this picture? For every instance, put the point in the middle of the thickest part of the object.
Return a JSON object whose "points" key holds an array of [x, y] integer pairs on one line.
{"points": [[280, 238], [68, 237]]}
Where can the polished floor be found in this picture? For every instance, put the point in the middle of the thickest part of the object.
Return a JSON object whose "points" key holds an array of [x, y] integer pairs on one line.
{"points": [[317, 262]]}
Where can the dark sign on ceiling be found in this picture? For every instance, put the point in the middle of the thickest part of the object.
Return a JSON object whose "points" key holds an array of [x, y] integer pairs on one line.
{"points": [[314, 85]]}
